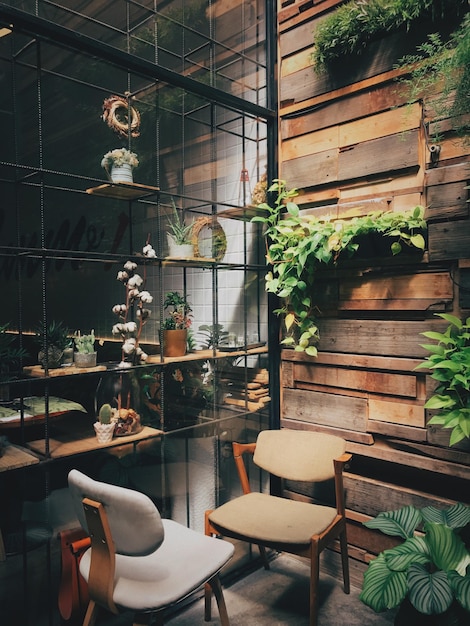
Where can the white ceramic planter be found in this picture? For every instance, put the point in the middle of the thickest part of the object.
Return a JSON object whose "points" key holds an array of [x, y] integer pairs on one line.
{"points": [[104, 432], [122, 173], [179, 251]]}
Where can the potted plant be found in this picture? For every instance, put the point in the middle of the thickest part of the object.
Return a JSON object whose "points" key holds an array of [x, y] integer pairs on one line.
{"points": [[299, 244], [428, 575], [119, 164], [85, 356], [11, 357], [179, 237], [175, 326], [104, 426], [449, 361], [52, 341]]}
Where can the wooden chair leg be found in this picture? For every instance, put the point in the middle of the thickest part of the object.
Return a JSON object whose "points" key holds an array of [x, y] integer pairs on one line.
{"points": [[343, 540], [207, 602], [91, 614], [264, 557], [219, 596], [314, 576]]}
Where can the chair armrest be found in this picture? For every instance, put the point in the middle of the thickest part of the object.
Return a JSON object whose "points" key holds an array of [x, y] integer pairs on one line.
{"points": [[239, 449], [339, 464]]}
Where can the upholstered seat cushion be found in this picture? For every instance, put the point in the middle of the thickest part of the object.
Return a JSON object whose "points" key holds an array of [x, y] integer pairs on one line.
{"points": [[272, 520], [183, 562]]}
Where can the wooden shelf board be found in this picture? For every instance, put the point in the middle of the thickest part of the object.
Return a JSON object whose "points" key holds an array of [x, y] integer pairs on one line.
{"points": [[36, 371], [75, 439], [199, 355], [123, 191], [15, 457]]}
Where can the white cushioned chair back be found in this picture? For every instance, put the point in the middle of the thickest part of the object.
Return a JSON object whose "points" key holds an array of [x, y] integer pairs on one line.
{"points": [[134, 520], [298, 454]]}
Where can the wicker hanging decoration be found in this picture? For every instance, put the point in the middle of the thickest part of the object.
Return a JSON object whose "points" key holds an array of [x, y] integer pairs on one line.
{"points": [[219, 239], [120, 123]]}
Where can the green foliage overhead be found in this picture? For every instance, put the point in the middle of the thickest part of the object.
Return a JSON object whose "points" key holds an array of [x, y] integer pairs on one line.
{"points": [[430, 568], [449, 361], [349, 28], [446, 64], [301, 243]]}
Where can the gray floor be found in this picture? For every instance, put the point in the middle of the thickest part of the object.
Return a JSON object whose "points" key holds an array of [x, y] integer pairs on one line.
{"points": [[278, 597]]}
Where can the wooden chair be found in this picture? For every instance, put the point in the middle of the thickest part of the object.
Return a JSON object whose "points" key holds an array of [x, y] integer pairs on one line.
{"points": [[137, 560], [286, 525]]}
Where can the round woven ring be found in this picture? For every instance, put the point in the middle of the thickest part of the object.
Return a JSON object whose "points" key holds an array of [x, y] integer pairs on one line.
{"points": [[219, 239], [111, 106]]}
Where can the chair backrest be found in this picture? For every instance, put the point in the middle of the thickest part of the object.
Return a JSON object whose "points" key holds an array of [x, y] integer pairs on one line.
{"points": [[134, 520], [298, 454]]}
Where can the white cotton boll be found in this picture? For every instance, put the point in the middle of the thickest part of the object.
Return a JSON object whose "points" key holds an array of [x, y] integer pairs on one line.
{"points": [[146, 297], [130, 266], [122, 276], [130, 327], [117, 329], [133, 294], [128, 347], [135, 281], [119, 308], [143, 356], [149, 251]]}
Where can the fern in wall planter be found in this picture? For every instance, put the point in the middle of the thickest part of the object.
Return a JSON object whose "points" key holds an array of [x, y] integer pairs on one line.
{"points": [[299, 244]]}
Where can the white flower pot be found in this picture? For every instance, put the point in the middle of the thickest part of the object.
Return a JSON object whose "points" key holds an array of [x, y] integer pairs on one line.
{"points": [[122, 173], [180, 251], [104, 432]]}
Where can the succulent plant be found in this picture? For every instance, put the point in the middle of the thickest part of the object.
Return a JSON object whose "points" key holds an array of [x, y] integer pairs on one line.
{"points": [[105, 414]]}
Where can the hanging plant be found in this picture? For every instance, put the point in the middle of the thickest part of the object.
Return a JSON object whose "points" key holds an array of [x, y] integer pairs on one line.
{"points": [[298, 244], [349, 28]]}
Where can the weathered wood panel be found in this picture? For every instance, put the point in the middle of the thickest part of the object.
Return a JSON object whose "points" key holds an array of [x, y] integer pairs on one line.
{"points": [[360, 380], [417, 292], [449, 240], [377, 156], [353, 360], [325, 408], [315, 169], [376, 337], [403, 413]]}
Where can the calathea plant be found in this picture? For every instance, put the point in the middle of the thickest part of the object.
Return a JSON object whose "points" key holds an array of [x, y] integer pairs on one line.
{"points": [[449, 361], [429, 572]]}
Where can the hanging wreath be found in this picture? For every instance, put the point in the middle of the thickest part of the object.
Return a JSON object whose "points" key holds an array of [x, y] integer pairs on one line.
{"points": [[119, 121], [219, 239]]}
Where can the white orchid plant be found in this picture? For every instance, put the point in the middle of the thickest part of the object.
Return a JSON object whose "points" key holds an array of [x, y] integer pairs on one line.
{"points": [[136, 299]]}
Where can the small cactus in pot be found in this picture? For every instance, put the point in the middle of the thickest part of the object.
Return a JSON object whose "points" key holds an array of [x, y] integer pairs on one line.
{"points": [[85, 356], [104, 427]]}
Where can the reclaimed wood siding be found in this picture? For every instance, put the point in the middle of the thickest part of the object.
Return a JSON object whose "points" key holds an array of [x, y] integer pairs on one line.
{"points": [[351, 145]]}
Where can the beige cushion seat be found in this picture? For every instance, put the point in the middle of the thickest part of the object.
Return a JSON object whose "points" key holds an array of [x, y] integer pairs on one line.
{"points": [[271, 520]]}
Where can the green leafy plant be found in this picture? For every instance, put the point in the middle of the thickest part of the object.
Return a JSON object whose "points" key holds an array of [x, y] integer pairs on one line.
{"points": [[85, 344], [449, 361], [56, 334], [430, 569], [298, 244], [213, 335], [180, 232], [445, 65], [179, 316], [10, 355], [349, 28]]}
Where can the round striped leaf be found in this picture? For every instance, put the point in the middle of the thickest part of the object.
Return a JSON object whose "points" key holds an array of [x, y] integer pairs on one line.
{"points": [[382, 588], [461, 588], [447, 550], [413, 550], [429, 593], [401, 522]]}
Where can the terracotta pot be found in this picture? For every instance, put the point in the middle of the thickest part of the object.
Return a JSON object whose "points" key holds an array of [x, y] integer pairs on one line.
{"points": [[174, 342]]}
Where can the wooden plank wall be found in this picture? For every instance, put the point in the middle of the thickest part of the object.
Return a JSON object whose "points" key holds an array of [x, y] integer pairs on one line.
{"points": [[351, 145]]}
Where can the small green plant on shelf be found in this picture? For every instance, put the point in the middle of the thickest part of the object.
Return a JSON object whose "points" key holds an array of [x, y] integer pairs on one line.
{"points": [[179, 315], [11, 355], [105, 414], [85, 344], [449, 361], [299, 244], [56, 338], [180, 232], [429, 572]]}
